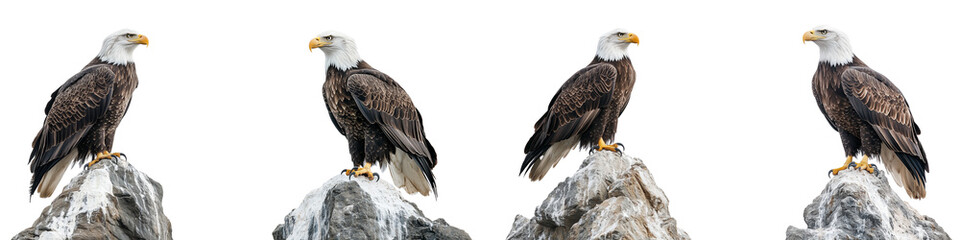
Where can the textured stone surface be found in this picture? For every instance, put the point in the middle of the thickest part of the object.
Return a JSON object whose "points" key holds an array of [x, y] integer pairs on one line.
{"points": [[361, 209], [110, 200], [859, 205], [609, 197]]}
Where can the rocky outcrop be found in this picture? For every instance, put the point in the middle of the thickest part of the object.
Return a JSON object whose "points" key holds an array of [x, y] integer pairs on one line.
{"points": [[609, 197], [361, 209], [110, 200], [859, 205]]}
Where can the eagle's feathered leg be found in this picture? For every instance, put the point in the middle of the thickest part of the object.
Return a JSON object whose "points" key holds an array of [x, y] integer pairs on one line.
{"points": [[105, 155], [603, 146], [863, 165], [845, 166], [365, 170]]}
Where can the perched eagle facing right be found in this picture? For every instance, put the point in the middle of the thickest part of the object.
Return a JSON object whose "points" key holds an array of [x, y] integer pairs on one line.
{"points": [[586, 108], [869, 112], [82, 115]]}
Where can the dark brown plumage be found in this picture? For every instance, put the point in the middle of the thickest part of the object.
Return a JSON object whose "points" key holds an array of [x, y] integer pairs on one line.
{"points": [[378, 118], [82, 115], [584, 110], [870, 113]]}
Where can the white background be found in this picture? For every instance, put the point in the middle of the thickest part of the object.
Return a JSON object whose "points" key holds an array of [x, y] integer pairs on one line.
{"points": [[229, 117]]}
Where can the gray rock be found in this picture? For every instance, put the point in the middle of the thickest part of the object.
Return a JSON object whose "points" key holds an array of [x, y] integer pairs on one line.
{"points": [[361, 209], [110, 200], [859, 205], [609, 197]]}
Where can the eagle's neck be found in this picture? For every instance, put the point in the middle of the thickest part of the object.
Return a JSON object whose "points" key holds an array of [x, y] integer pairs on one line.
{"points": [[611, 51], [342, 58], [115, 53], [836, 52]]}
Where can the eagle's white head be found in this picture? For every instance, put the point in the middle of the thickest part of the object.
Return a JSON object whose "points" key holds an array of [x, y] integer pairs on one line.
{"points": [[118, 47], [834, 46], [613, 45], [341, 50]]}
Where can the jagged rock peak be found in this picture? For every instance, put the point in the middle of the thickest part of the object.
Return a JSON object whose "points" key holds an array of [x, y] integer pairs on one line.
{"points": [[609, 197], [859, 205], [110, 200], [346, 208]]}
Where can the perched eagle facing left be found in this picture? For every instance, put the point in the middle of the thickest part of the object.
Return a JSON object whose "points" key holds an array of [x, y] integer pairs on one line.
{"points": [[82, 115], [586, 108], [869, 112], [376, 116]]}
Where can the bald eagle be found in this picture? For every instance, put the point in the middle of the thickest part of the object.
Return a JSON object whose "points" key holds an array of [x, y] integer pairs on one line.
{"points": [[871, 115], [586, 108], [378, 118], [82, 115]]}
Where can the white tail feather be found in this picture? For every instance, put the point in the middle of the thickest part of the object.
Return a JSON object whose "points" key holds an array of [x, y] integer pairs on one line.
{"points": [[50, 180], [406, 173], [550, 159], [900, 174]]}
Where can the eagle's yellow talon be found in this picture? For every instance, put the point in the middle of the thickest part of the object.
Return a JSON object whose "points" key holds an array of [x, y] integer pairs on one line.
{"points": [[846, 165], [100, 156], [365, 170], [863, 165], [603, 146]]}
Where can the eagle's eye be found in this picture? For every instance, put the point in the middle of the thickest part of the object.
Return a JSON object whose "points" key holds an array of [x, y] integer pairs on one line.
{"points": [[824, 31], [620, 34], [130, 35], [328, 38]]}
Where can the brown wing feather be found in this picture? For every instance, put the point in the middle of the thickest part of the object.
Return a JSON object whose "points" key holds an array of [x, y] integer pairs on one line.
{"points": [[823, 83], [326, 103], [572, 109], [878, 102], [333, 119], [383, 101], [881, 104], [820, 104], [72, 110]]}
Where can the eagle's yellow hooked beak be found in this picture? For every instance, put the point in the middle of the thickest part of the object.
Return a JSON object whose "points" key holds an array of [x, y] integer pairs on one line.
{"points": [[317, 43], [141, 39], [811, 36], [631, 38]]}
